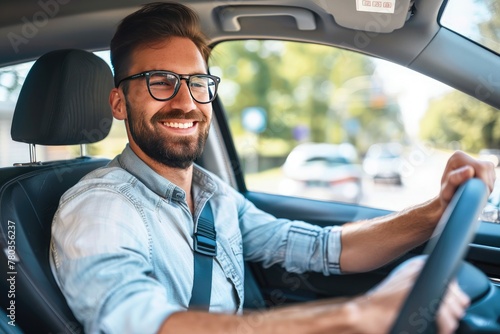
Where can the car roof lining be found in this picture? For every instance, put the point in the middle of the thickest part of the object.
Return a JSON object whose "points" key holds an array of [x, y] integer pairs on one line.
{"points": [[98, 34]]}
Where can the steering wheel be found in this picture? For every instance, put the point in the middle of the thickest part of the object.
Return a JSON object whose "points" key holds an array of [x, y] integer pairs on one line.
{"points": [[455, 230]]}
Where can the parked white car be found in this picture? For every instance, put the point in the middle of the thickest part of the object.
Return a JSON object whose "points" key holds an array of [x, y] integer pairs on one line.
{"points": [[383, 162], [323, 171]]}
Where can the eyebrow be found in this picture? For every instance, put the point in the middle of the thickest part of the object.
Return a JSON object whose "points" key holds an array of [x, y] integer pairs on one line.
{"points": [[163, 70]]}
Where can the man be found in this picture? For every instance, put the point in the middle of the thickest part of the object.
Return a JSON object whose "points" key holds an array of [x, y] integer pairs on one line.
{"points": [[122, 237]]}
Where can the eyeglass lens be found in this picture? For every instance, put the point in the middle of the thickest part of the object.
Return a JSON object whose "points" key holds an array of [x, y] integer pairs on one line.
{"points": [[164, 85]]}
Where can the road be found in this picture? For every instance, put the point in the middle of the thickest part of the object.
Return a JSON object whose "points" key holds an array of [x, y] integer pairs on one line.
{"points": [[422, 172], [421, 181]]}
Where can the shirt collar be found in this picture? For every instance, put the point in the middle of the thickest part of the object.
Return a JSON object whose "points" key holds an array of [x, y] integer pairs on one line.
{"points": [[129, 161]]}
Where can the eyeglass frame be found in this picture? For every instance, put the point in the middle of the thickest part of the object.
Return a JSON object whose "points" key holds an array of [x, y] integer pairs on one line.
{"points": [[186, 77]]}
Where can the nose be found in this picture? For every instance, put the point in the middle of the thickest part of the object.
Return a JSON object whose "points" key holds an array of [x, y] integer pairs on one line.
{"points": [[183, 99]]}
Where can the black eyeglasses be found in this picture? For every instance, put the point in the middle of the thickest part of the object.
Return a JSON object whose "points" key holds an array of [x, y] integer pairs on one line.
{"points": [[164, 85]]}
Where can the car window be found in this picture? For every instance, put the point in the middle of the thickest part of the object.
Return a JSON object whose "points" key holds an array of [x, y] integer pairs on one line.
{"points": [[11, 81], [325, 123], [476, 20]]}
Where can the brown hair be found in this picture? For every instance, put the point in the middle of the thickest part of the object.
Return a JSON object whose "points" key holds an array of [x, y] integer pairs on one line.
{"points": [[152, 23]]}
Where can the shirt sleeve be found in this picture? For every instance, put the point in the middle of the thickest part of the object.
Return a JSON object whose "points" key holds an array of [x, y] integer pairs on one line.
{"points": [[296, 245], [100, 259]]}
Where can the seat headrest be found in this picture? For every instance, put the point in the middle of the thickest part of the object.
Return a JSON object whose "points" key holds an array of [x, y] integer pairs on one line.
{"points": [[64, 100]]}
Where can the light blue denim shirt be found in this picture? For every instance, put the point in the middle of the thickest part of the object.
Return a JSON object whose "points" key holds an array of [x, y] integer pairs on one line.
{"points": [[122, 247]]}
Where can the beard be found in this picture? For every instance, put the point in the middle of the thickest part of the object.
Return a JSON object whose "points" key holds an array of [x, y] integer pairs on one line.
{"points": [[172, 151]]}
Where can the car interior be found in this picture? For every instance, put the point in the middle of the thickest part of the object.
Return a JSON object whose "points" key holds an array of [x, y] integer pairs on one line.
{"points": [[54, 109]]}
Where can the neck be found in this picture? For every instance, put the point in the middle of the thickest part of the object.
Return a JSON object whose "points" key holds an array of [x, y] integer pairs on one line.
{"points": [[181, 177]]}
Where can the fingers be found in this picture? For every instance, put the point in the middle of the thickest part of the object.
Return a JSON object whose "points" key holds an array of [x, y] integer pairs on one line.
{"points": [[452, 309], [379, 307], [485, 170], [454, 179], [462, 167], [385, 300]]}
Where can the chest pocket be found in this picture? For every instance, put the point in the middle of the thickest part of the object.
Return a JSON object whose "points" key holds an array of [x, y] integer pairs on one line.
{"points": [[236, 245], [231, 257]]}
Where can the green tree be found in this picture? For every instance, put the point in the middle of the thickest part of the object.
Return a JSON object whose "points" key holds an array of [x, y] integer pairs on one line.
{"points": [[489, 30], [456, 117]]}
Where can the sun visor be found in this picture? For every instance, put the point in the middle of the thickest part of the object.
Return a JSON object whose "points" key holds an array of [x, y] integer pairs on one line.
{"points": [[381, 16]]}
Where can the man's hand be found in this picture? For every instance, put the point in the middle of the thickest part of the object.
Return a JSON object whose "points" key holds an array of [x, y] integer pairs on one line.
{"points": [[460, 168], [382, 304]]}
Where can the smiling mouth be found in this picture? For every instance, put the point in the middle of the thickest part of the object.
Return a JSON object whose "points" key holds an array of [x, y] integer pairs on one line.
{"points": [[177, 125]]}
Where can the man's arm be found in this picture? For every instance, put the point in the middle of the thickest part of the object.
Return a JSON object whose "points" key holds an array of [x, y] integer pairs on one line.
{"points": [[307, 318], [370, 244], [372, 313], [367, 245]]}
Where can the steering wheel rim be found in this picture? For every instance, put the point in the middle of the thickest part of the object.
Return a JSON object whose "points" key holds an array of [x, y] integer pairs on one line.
{"points": [[457, 227]]}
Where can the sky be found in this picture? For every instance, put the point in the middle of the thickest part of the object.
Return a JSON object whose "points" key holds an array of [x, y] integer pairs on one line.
{"points": [[413, 91]]}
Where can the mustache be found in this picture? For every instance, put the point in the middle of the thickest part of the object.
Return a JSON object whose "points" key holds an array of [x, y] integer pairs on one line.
{"points": [[194, 115]]}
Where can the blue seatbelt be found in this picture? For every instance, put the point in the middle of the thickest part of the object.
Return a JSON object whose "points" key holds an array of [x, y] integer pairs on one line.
{"points": [[205, 249]]}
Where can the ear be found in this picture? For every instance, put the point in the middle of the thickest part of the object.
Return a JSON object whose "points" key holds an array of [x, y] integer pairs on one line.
{"points": [[117, 103]]}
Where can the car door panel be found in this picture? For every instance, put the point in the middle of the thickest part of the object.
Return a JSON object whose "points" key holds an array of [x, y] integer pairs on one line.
{"points": [[280, 287]]}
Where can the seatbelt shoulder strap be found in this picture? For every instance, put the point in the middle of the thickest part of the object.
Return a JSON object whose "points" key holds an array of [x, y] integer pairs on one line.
{"points": [[205, 249]]}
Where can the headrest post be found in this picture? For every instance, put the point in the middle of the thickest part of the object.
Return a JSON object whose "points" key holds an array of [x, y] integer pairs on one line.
{"points": [[32, 148], [83, 150]]}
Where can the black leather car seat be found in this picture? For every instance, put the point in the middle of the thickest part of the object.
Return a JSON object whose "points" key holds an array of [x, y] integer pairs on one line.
{"points": [[64, 101]]}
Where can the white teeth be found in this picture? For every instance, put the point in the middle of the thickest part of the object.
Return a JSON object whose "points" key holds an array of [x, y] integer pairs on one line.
{"points": [[178, 125]]}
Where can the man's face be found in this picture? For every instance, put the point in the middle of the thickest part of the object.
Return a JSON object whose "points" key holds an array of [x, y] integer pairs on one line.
{"points": [[173, 132]]}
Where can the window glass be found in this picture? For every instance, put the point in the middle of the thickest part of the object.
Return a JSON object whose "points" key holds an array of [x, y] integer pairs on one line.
{"points": [[11, 81], [476, 20], [318, 122]]}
